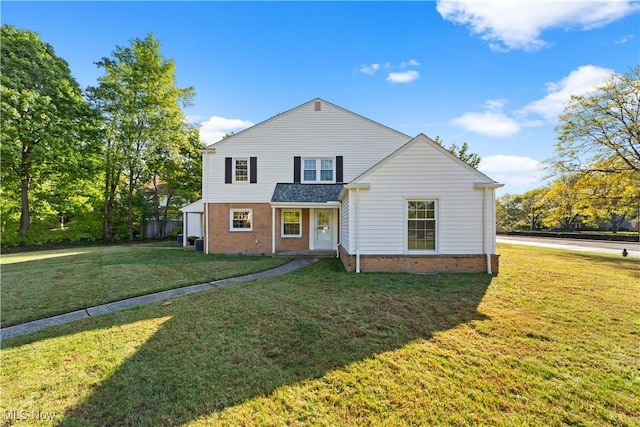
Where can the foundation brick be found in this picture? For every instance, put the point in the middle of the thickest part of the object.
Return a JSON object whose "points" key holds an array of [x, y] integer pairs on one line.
{"points": [[421, 263]]}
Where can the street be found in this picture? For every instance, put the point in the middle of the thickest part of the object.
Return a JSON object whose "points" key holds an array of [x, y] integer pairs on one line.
{"points": [[582, 245]]}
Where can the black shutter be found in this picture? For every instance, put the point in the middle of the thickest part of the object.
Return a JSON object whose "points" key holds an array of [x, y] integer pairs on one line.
{"points": [[339, 161], [297, 163], [228, 170], [253, 170]]}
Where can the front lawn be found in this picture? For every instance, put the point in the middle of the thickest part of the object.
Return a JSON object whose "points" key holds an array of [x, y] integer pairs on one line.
{"points": [[553, 340], [45, 283]]}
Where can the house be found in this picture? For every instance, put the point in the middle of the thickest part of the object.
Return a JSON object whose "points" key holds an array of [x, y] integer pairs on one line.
{"points": [[322, 180]]}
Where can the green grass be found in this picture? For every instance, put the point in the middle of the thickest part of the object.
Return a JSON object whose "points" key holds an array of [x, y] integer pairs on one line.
{"points": [[45, 283], [553, 340]]}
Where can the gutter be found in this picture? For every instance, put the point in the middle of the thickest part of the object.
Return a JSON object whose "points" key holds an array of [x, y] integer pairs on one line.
{"points": [[485, 186]]}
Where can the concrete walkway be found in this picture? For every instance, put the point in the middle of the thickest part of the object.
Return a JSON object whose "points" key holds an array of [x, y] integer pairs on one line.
{"points": [[36, 325]]}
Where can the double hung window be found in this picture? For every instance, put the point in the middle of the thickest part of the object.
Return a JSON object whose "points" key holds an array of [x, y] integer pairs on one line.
{"points": [[421, 225], [292, 223], [240, 219], [318, 170], [241, 170]]}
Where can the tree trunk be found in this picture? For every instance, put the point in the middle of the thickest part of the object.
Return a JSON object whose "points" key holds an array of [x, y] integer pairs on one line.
{"points": [[130, 206], [163, 221], [25, 215]]}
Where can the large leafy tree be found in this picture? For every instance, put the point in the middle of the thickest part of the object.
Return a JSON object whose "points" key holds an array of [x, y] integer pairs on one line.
{"points": [[564, 202], [46, 124], [609, 197], [143, 121], [601, 126]]}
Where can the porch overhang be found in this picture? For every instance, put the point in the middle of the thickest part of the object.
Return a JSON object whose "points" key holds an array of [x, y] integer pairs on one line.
{"points": [[297, 195]]}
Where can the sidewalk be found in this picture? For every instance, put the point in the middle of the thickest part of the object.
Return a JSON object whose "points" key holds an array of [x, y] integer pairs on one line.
{"points": [[36, 325]]}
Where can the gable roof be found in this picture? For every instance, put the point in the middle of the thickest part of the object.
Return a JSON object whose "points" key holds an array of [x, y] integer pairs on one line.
{"points": [[230, 138], [306, 193], [422, 138]]}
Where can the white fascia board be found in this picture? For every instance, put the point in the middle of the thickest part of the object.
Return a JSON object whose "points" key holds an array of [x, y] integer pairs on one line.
{"points": [[487, 185], [347, 187], [301, 205]]}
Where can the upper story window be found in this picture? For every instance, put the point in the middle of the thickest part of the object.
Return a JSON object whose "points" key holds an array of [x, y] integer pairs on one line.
{"points": [[318, 170], [241, 170]]}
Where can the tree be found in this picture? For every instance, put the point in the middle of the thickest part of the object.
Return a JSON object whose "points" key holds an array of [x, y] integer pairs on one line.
{"points": [[563, 202], [508, 212], [46, 124], [602, 125], [534, 207], [609, 197], [143, 120], [462, 153]]}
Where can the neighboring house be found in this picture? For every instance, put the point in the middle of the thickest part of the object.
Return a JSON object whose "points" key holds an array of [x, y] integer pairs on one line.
{"points": [[321, 180]]}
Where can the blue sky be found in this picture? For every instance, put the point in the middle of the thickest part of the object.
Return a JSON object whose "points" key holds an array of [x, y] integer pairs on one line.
{"points": [[494, 74]]}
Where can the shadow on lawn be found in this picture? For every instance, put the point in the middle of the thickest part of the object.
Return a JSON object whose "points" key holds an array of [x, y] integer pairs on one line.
{"points": [[226, 346]]}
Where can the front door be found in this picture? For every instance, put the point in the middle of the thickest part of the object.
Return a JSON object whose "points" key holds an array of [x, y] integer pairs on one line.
{"points": [[324, 229]]}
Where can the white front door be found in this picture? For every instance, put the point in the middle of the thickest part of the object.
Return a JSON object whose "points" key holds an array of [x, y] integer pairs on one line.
{"points": [[323, 229]]}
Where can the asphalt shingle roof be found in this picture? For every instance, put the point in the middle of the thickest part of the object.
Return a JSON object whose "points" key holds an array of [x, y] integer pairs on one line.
{"points": [[306, 193]]}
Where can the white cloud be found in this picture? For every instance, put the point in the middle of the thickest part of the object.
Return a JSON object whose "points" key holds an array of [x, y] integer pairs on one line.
{"points": [[491, 123], [512, 170], [495, 104], [578, 82], [403, 76], [396, 73], [409, 63], [508, 25], [369, 69], [214, 128], [625, 39]]}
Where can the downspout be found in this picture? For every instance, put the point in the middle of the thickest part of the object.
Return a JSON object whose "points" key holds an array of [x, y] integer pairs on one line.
{"points": [[206, 227], [484, 229], [357, 229], [185, 228], [273, 231]]}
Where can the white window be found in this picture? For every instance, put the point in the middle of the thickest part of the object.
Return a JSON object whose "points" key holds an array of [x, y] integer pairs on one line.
{"points": [[240, 219], [421, 225], [318, 170], [292, 223], [241, 173]]}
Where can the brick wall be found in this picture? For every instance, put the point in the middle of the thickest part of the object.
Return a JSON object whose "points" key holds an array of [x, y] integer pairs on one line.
{"points": [[257, 241], [421, 263], [292, 243], [221, 240]]}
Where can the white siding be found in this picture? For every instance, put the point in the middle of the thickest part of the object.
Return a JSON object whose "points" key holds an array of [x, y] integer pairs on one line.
{"points": [[345, 224], [298, 132], [420, 171]]}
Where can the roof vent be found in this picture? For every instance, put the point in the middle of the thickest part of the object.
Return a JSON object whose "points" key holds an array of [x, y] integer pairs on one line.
{"points": [[318, 106]]}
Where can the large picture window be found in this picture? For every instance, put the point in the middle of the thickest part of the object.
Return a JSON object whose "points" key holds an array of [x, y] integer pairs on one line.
{"points": [[421, 225], [240, 219], [318, 170], [292, 223]]}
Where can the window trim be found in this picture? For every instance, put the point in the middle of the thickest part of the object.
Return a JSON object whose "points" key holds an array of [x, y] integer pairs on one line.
{"points": [[436, 221], [235, 170], [282, 223], [318, 169], [234, 210]]}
